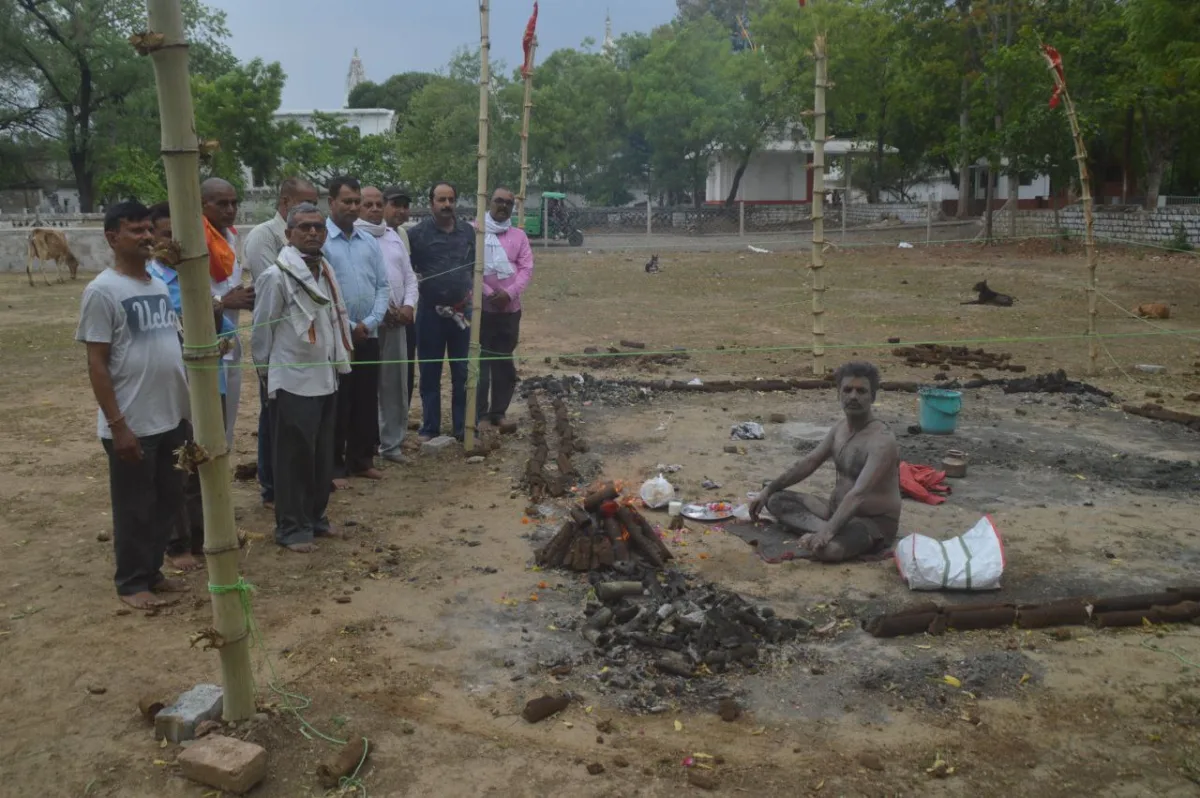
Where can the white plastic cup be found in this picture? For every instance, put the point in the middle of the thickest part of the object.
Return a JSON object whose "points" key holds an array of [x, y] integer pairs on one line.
{"points": [[674, 509]]}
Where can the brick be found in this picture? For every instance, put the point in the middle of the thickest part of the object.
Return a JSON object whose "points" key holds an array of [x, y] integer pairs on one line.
{"points": [[439, 444], [225, 763], [178, 722]]}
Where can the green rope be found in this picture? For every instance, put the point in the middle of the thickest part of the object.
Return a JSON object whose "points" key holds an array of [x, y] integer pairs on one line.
{"points": [[1149, 645], [244, 589]]}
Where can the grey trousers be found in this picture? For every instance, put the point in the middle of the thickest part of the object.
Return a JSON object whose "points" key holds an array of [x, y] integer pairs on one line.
{"points": [[303, 465], [393, 389]]}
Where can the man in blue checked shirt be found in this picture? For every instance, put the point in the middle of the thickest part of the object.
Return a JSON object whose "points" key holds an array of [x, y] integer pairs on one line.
{"points": [[358, 266]]}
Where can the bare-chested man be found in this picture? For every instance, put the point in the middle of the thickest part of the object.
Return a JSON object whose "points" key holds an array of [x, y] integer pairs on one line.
{"points": [[863, 514]]}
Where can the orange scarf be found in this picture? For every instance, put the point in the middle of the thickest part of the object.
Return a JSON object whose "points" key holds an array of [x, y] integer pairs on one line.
{"points": [[221, 256]]}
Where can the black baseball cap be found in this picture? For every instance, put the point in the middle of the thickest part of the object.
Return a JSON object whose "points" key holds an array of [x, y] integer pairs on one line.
{"points": [[392, 193]]}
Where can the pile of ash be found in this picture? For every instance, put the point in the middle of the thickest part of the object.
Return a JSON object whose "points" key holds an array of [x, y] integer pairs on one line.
{"points": [[586, 388], [656, 632]]}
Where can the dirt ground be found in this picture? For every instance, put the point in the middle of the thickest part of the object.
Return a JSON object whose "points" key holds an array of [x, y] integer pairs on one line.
{"points": [[441, 642]]}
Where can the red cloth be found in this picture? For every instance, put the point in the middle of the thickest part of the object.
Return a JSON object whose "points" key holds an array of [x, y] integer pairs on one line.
{"points": [[1055, 61], [527, 42], [922, 483]]}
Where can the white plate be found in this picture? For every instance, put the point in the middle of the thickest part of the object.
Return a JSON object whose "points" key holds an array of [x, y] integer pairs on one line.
{"points": [[704, 512]]}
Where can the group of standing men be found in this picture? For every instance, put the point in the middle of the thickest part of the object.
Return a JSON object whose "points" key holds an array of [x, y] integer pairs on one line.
{"points": [[342, 308]]}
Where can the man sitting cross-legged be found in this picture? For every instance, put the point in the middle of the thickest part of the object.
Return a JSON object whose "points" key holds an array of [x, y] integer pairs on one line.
{"points": [[863, 513]]}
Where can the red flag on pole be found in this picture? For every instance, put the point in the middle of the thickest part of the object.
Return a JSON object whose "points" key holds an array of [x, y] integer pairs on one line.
{"points": [[802, 3], [1056, 64], [527, 41]]}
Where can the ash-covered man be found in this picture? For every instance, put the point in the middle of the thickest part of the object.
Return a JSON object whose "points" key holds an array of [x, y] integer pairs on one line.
{"points": [[393, 335], [263, 245], [301, 343], [219, 203], [863, 513], [507, 270], [136, 370]]}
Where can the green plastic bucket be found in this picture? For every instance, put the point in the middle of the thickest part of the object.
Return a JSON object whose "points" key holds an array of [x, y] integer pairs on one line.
{"points": [[939, 410]]}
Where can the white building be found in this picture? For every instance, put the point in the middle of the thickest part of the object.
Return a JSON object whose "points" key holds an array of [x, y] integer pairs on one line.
{"points": [[780, 173]]}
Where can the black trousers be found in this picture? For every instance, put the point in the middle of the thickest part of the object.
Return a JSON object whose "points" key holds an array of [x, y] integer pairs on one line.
{"points": [[187, 534], [303, 440], [147, 500], [357, 430], [498, 336], [410, 335]]}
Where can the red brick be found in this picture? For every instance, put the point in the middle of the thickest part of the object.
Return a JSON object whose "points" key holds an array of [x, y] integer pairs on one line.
{"points": [[225, 763]]}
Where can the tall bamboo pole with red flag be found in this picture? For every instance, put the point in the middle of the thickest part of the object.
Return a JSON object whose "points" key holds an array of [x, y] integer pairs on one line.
{"points": [[1062, 96], [529, 43]]}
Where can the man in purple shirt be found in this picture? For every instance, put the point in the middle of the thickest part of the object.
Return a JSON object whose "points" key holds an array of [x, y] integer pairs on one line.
{"points": [[507, 269]]}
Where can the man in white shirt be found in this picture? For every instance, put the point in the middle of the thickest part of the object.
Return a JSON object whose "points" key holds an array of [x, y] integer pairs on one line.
{"points": [[219, 203], [263, 245], [301, 343], [393, 344]]}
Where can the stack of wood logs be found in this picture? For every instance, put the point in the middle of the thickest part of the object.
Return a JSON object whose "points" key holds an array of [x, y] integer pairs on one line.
{"points": [[939, 355], [603, 531], [1176, 605], [539, 482]]}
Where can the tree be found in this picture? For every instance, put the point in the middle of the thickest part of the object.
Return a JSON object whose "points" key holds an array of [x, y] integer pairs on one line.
{"points": [[74, 57], [1164, 39], [331, 148], [237, 109], [395, 93], [684, 100]]}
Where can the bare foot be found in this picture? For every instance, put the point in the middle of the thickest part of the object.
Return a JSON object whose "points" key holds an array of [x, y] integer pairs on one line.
{"points": [[370, 473], [805, 542], [143, 601], [302, 548], [341, 484], [171, 586], [185, 562], [268, 505], [332, 532]]}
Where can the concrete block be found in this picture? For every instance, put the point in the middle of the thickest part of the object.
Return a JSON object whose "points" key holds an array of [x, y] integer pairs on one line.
{"points": [[225, 763], [178, 722], [438, 444]]}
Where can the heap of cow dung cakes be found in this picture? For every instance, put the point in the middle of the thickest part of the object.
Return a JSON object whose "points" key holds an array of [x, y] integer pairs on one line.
{"points": [[664, 629], [604, 532]]}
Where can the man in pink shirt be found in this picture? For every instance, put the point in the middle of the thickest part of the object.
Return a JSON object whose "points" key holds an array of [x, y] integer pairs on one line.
{"points": [[507, 269]]}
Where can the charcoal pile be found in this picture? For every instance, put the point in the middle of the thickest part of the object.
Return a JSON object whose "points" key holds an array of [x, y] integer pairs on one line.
{"points": [[1050, 382], [946, 356], [618, 358], [657, 633], [587, 388], [604, 532]]}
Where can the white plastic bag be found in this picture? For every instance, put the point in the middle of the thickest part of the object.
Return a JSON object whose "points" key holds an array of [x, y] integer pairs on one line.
{"points": [[657, 492], [971, 561]]}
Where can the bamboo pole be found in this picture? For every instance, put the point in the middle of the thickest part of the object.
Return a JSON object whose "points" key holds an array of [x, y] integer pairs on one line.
{"points": [[1085, 183], [818, 206], [168, 49], [481, 204], [528, 111]]}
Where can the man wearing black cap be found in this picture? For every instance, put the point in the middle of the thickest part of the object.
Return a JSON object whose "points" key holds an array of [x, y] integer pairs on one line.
{"points": [[395, 214]]}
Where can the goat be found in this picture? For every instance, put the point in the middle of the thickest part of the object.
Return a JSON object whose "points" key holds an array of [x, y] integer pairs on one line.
{"points": [[1152, 310], [45, 245]]}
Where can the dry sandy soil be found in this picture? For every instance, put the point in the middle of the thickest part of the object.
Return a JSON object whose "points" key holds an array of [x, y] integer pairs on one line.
{"points": [[441, 644]]}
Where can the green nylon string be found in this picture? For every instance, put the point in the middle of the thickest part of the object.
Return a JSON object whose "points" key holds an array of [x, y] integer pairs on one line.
{"points": [[730, 350], [244, 589]]}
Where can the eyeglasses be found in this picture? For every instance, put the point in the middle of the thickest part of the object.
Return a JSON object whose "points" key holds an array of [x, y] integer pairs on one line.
{"points": [[504, 203], [309, 227]]}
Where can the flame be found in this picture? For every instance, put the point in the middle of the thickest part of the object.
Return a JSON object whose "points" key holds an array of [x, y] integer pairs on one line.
{"points": [[624, 533]]}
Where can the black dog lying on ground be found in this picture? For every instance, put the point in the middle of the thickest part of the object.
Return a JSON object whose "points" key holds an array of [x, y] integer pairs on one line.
{"points": [[652, 265], [989, 297]]}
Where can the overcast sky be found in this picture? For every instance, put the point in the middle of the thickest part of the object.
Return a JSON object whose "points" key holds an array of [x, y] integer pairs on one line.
{"points": [[315, 39]]}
